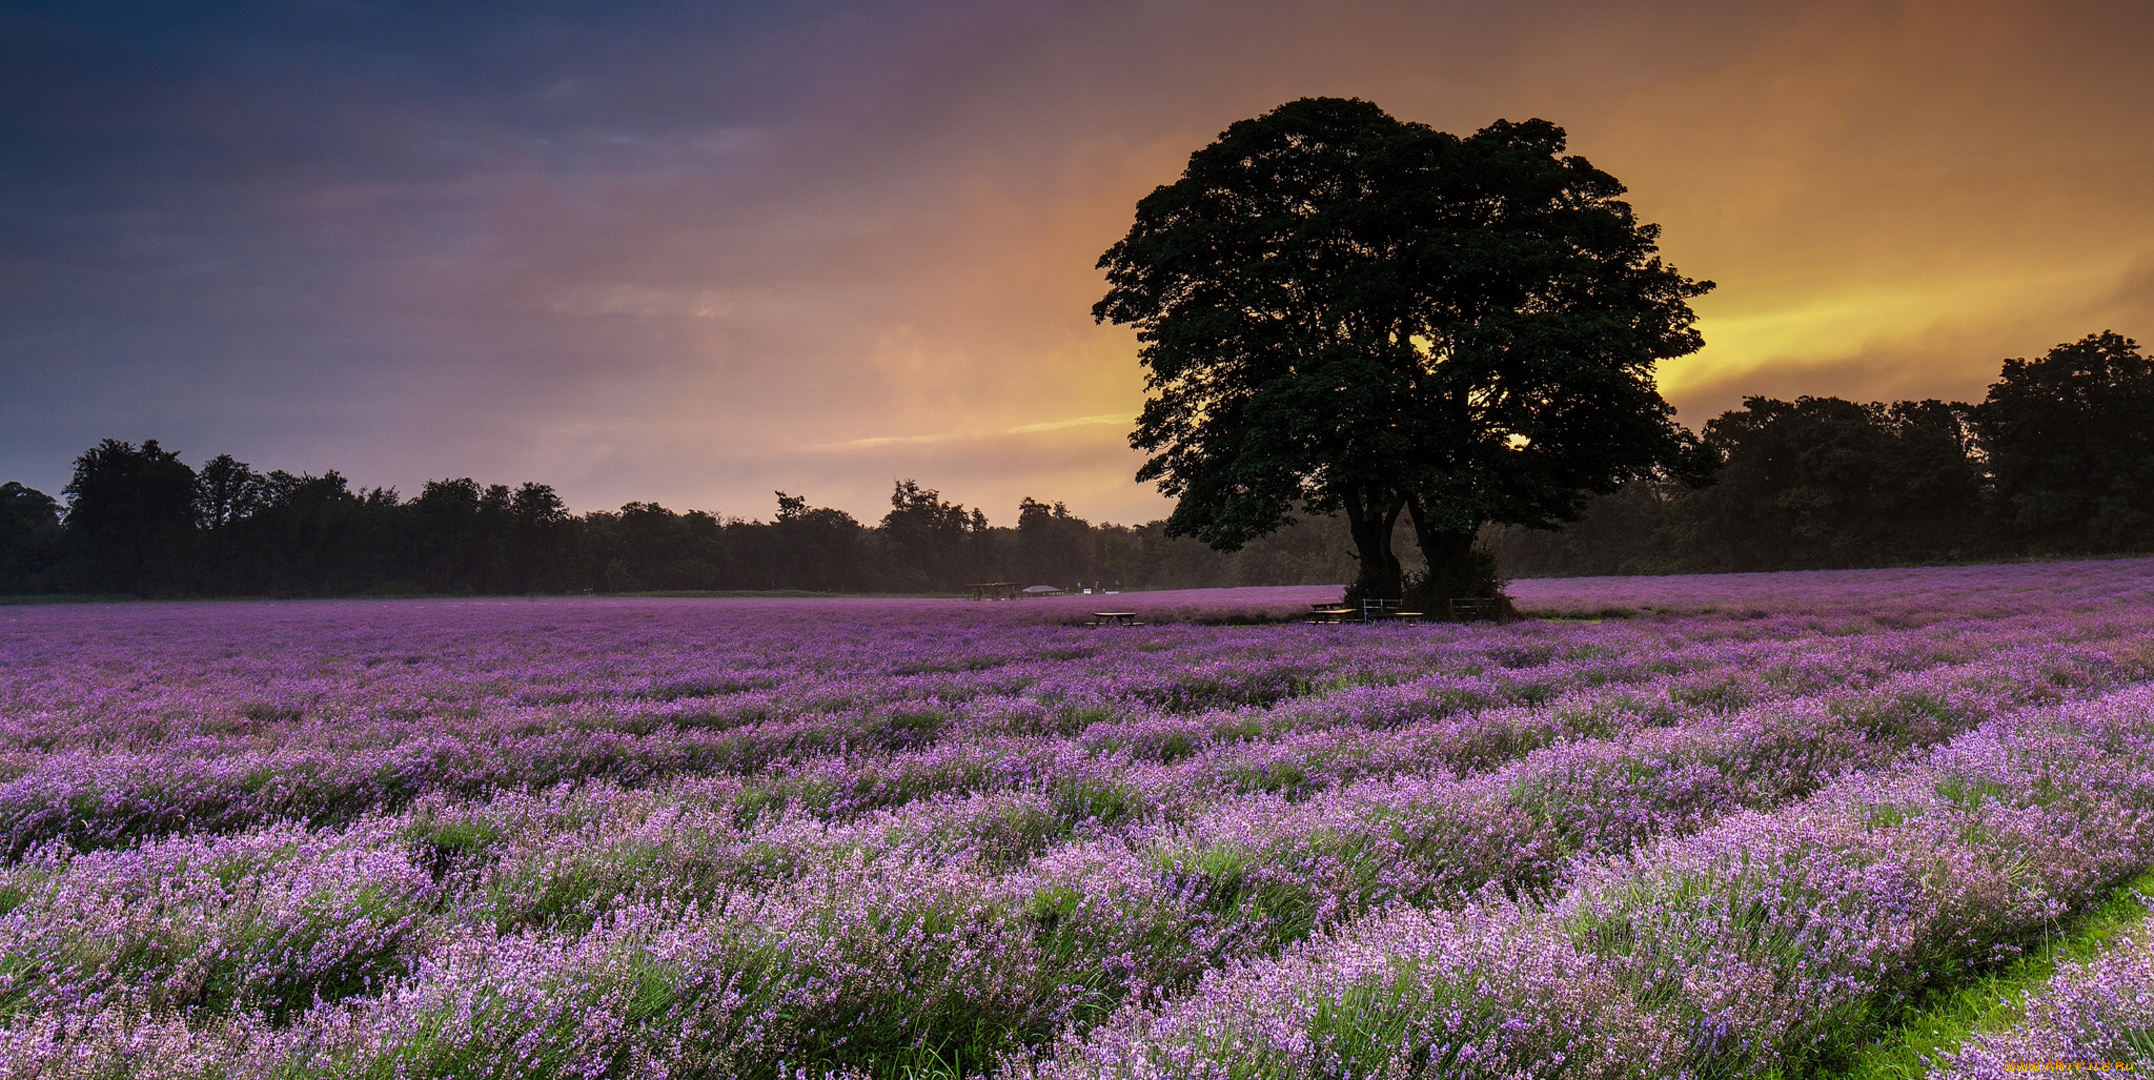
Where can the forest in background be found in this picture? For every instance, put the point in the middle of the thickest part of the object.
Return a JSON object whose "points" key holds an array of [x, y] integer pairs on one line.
{"points": [[2057, 460], [141, 522]]}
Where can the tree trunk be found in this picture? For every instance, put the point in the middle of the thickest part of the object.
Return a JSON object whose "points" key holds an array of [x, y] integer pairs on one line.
{"points": [[1456, 570], [1370, 517]]}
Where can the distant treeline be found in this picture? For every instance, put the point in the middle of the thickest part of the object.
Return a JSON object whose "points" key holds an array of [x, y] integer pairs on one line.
{"points": [[139, 521], [2058, 459]]}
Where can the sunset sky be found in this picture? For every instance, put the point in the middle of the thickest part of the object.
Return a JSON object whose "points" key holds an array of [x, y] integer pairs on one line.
{"points": [[695, 253]]}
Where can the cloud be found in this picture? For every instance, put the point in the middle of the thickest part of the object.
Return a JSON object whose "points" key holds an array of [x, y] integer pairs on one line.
{"points": [[690, 253], [877, 442], [649, 303]]}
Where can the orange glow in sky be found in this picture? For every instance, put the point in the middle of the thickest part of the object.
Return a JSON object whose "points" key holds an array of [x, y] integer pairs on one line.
{"points": [[890, 275]]}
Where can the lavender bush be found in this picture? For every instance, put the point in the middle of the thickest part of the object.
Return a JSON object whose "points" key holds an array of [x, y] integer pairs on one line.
{"points": [[1768, 943], [1694, 827], [2098, 1011]]}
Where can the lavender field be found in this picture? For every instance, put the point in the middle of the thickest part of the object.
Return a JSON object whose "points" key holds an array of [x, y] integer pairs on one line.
{"points": [[1700, 826]]}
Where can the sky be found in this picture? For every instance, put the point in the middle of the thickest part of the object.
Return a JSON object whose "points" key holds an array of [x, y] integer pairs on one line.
{"points": [[696, 253]]}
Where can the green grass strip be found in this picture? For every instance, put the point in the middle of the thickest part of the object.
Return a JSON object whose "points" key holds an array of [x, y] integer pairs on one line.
{"points": [[1998, 1000]]}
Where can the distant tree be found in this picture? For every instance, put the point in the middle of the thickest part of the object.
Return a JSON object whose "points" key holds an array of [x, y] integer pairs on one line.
{"points": [[1341, 311], [30, 537], [230, 530], [700, 560], [130, 518], [304, 535], [541, 542], [817, 549], [1647, 527], [1315, 550], [226, 491], [657, 548], [2071, 448], [934, 544], [1826, 482], [1054, 547], [459, 536]]}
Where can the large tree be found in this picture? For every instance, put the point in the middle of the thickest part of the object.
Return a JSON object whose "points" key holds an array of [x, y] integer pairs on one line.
{"points": [[1340, 311], [1824, 482], [130, 518], [2070, 448], [936, 544], [30, 538]]}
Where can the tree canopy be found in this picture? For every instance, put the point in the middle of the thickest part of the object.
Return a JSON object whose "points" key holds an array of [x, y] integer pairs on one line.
{"points": [[2056, 460], [131, 513], [2070, 446], [1341, 311], [1827, 482]]}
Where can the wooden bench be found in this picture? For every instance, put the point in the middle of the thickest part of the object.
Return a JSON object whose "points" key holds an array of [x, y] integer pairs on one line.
{"points": [[1115, 618], [1464, 607], [1370, 611], [1390, 615]]}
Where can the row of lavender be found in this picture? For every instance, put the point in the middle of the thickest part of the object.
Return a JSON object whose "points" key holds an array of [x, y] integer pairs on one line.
{"points": [[1767, 937], [2099, 1013], [1770, 942], [1125, 762], [201, 719], [995, 881]]}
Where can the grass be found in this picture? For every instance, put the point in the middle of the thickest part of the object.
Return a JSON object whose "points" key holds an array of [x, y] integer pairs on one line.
{"points": [[1997, 1000]]}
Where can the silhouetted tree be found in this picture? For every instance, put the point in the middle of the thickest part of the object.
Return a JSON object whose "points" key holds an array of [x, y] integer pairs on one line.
{"points": [[673, 551], [308, 536], [458, 536], [1054, 547], [130, 518], [1340, 311], [1827, 482], [932, 541], [1818, 482], [226, 491], [30, 538], [542, 540], [2071, 447], [1645, 527], [816, 549]]}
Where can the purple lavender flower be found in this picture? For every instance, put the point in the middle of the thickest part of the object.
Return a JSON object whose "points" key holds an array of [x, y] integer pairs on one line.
{"points": [[557, 837]]}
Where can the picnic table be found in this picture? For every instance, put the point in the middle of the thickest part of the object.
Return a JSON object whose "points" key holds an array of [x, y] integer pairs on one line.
{"points": [[1117, 618], [1369, 611]]}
